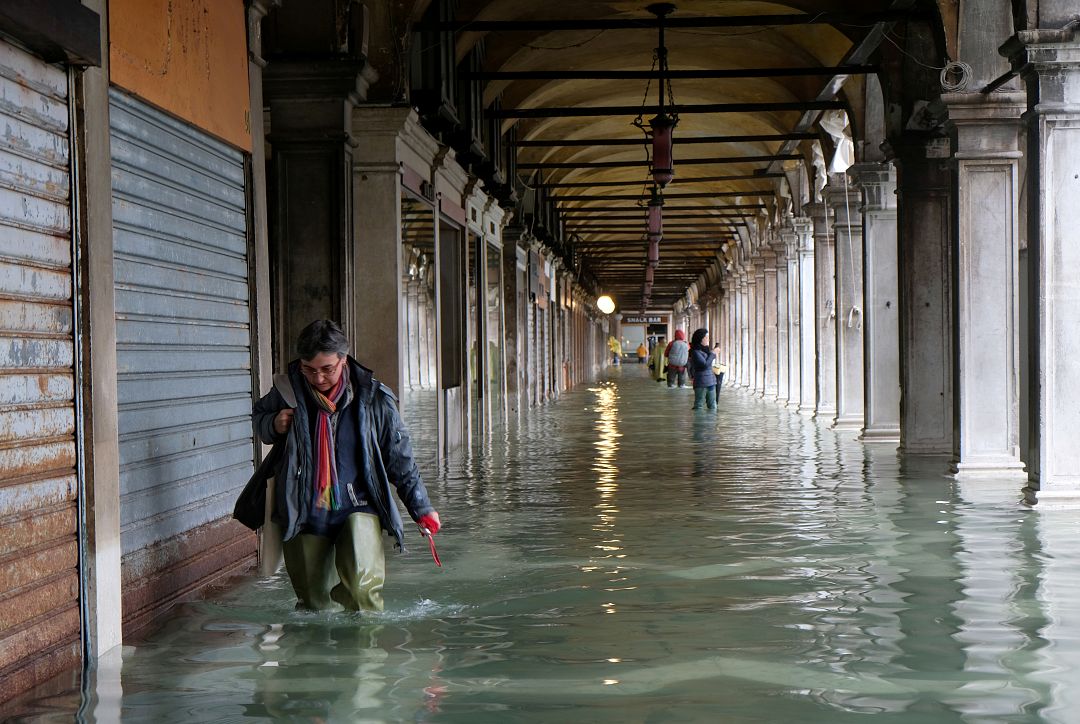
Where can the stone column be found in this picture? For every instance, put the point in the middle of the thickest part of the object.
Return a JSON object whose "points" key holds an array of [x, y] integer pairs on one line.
{"points": [[988, 156], [512, 313], [311, 104], [846, 203], [881, 330], [783, 323], [1049, 63], [745, 364], [770, 377], [804, 232], [760, 324], [923, 207], [824, 312], [794, 366], [749, 358], [385, 138]]}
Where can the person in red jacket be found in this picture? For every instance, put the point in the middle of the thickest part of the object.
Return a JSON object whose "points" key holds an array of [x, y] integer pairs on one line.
{"points": [[677, 353]]}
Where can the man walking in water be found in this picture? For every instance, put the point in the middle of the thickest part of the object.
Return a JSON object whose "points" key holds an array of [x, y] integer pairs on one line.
{"points": [[345, 445]]}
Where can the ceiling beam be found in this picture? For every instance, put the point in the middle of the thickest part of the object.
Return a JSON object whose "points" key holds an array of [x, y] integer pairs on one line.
{"points": [[583, 111], [628, 207], [544, 143], [682, 161], [670, 23], [687, 195], [859, 53], [682, 181], [714, 73]]}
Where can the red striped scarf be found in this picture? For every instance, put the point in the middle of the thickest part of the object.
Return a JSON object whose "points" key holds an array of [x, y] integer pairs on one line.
{"points": [[325, 459]]}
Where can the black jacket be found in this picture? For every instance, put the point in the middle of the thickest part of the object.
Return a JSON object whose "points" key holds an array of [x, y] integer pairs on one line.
{"points": [[383, 450]]}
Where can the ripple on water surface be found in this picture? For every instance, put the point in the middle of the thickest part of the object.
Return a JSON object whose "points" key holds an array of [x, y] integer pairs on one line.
{"points": [[619, 558]]}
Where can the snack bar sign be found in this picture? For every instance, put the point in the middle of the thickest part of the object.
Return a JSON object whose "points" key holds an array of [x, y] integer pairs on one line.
{"points": [[645, 319]]}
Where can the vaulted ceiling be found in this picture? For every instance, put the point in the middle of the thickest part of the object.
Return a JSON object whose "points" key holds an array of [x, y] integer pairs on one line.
{"points": [[549, 61]]}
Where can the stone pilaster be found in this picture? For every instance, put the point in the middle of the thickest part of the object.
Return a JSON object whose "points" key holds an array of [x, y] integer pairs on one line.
{"points": [[881, 312], [770, 325], [846, 203], [925, 248], [824, 311], [1049, 64], [759, 328], [986, 442], [789, 394], [782, 323], [804, 232]]}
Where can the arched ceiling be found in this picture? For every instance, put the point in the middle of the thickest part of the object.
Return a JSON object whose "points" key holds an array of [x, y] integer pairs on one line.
{"points": [[704, 201]]}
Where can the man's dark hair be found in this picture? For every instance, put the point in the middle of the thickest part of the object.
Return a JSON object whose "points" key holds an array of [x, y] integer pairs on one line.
{"points": [[322, 335]]}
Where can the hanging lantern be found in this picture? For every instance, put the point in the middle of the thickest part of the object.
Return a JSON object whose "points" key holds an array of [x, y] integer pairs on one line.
{"points": [[663, 141], [655, 219]]}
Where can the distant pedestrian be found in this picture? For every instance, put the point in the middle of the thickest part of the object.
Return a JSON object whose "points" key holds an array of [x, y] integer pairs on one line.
{"points": [[616, 349], [701, 371], [642, 353], [657, 366], [677, 353]]}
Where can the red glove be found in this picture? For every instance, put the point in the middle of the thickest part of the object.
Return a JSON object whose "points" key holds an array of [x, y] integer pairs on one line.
{"points": [[430, 522]]}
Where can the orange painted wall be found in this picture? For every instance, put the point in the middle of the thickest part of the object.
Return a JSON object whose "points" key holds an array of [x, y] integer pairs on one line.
{"points": [[188, 57]]}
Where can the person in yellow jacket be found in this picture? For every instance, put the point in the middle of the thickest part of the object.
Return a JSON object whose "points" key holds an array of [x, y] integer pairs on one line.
{"points": [[616, 349], [657, 361], [642, 353]]}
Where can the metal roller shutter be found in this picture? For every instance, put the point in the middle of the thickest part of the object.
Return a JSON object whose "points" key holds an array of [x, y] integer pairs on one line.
{"points": [[39, 581], [183, 329]]}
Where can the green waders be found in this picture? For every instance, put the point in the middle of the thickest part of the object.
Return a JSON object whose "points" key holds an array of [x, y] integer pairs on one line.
{"points": [[351, 578]]}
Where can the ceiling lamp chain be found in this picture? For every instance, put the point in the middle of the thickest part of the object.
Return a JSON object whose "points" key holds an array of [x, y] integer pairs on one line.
{"points": [[661, 131]]}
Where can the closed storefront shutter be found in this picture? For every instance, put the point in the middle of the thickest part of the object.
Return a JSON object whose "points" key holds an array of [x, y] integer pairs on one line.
{"points": [[39, 582], [183, 329]]}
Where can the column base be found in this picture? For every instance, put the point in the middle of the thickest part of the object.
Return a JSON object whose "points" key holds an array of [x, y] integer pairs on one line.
{"points": [[848, 423], [1005, 468], [807, 410], [1064, 499], [824, 414], [881, 435]]}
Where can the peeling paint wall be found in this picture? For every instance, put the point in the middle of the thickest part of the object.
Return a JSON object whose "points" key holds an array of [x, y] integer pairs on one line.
{"points": [[39, 581], [187, 57]]}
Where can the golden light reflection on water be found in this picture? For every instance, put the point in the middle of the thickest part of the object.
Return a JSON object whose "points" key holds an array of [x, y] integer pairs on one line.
{"points": [[607, 481], [607, 446]]}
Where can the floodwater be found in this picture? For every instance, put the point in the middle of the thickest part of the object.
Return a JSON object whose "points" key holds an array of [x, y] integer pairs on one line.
{"points": [[619, 558]]}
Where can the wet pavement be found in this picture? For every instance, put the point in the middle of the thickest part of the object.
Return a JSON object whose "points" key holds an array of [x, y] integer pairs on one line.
{"points": [[619, 558]]}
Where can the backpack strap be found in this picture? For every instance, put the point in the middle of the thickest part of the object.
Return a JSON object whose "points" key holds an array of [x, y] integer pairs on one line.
{"points": [[285, 389]]}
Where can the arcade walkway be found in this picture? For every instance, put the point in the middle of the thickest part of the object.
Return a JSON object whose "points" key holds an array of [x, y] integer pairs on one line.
{"points": [[620, 559]]}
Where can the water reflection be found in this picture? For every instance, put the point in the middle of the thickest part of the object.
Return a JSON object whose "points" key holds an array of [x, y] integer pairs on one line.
{"points": [[618, 559]]}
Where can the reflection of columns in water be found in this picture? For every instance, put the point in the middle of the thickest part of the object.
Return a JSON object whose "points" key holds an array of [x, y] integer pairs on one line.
{"points": [[930, 588]]}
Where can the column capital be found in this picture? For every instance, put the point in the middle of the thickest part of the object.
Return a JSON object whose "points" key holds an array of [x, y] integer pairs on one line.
{"points": [[804, 231], [987, 126], [819, 216], [878, 184], [846, 202], [1049, 62]]}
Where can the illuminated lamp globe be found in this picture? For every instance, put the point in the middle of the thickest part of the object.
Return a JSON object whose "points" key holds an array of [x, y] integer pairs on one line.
{"points": [[605, 304]]}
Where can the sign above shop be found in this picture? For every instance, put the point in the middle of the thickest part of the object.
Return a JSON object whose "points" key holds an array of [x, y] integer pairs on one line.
{"points": [[645, 319]]}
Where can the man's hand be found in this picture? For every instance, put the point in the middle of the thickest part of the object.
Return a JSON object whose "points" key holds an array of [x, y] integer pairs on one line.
{"points": [[430, 523], [282, 420]]}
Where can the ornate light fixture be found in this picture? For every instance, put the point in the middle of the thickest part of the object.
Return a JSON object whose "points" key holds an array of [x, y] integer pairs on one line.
{"points": [[662, 125], [605, 304]]}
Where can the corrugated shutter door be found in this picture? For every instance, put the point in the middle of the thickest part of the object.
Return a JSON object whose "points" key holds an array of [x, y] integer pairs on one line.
{"points": [[39, 611], [183, 325]]}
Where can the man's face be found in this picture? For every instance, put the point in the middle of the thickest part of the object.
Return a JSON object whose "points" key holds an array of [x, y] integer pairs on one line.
{"points": [[323, 370]]}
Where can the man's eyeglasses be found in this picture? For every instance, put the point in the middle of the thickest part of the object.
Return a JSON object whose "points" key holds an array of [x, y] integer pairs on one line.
{"points": [[324, 371]]}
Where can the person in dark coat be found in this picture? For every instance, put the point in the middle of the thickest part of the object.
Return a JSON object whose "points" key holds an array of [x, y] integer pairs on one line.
{"points": [[700, 370], [345, 446]]}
